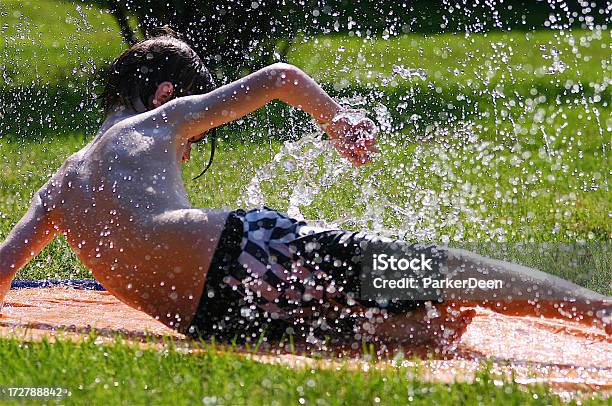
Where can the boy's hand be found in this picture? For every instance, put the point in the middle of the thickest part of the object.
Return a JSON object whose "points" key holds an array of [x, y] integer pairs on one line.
{"points": [[353, 135]]}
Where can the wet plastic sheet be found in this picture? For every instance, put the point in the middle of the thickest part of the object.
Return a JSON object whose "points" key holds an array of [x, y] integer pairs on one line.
{"points": [[564, 355]]}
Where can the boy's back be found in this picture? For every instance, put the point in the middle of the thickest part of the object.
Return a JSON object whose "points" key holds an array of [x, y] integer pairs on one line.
{"points": [[122, 205]]}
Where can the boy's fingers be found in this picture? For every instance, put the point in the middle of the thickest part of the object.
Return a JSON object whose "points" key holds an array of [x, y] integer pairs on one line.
{"points": [[352, 157], [369, 141], [358, 150], [368, 126]]}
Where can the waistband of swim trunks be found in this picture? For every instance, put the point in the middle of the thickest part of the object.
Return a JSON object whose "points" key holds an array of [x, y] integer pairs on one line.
{"points": [[227, 253]]}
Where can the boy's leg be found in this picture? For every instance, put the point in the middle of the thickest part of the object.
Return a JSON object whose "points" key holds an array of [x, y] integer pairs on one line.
{"points": [[315, 280], [525, 291], [439, 325]]}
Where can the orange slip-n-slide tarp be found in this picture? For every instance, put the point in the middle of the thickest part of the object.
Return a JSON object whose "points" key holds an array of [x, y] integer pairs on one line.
{"points": [[564, 355]]}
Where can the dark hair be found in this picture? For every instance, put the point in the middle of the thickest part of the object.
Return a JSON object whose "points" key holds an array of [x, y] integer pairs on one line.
{"points": [[163, 56]]}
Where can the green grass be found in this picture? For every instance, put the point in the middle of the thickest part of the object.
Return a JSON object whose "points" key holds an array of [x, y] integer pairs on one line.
{"points": [[480, 151], [122, 374], [53, 42], [517, 58]]}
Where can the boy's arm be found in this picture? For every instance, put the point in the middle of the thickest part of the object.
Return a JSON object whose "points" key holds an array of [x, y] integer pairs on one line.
{"points": [[29, 236], [194, 115]]}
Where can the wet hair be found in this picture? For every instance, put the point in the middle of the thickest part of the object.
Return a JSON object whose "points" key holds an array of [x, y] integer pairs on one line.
{"points": [[139, 70]]}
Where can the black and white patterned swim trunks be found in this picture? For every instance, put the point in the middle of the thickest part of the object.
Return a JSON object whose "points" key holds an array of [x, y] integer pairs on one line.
{"points": [[275, 275]]}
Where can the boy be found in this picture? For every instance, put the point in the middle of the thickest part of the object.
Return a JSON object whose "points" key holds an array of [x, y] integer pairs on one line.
{"points": [[122, 205]]}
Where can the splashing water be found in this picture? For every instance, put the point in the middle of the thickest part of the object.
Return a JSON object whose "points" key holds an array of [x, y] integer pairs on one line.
{"points": [[424, 213], [298, 157]]}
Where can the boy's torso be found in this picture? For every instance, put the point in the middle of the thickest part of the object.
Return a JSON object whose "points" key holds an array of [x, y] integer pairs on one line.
{"points": [[123, 207]]}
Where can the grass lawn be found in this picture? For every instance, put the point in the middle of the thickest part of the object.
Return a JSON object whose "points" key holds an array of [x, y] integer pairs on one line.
{"points": [[499, 137], [121, 374]]}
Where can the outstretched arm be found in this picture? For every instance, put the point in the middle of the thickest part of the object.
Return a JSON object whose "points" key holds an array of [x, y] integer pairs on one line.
{"points": [[194, 115], [197, 114], [29, 236]]}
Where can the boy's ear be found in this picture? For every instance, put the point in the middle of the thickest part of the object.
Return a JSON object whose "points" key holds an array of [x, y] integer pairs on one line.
{"points": [[163, 94]]}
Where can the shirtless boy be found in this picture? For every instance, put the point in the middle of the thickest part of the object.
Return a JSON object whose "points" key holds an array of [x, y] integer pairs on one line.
{"points": [[122, 205]]}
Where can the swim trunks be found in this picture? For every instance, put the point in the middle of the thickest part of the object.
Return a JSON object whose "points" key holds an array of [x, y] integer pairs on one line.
{"points": [[273, 275]]}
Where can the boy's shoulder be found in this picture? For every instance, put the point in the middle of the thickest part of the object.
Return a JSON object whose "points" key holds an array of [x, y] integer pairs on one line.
{"points": [[150, 127]]}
